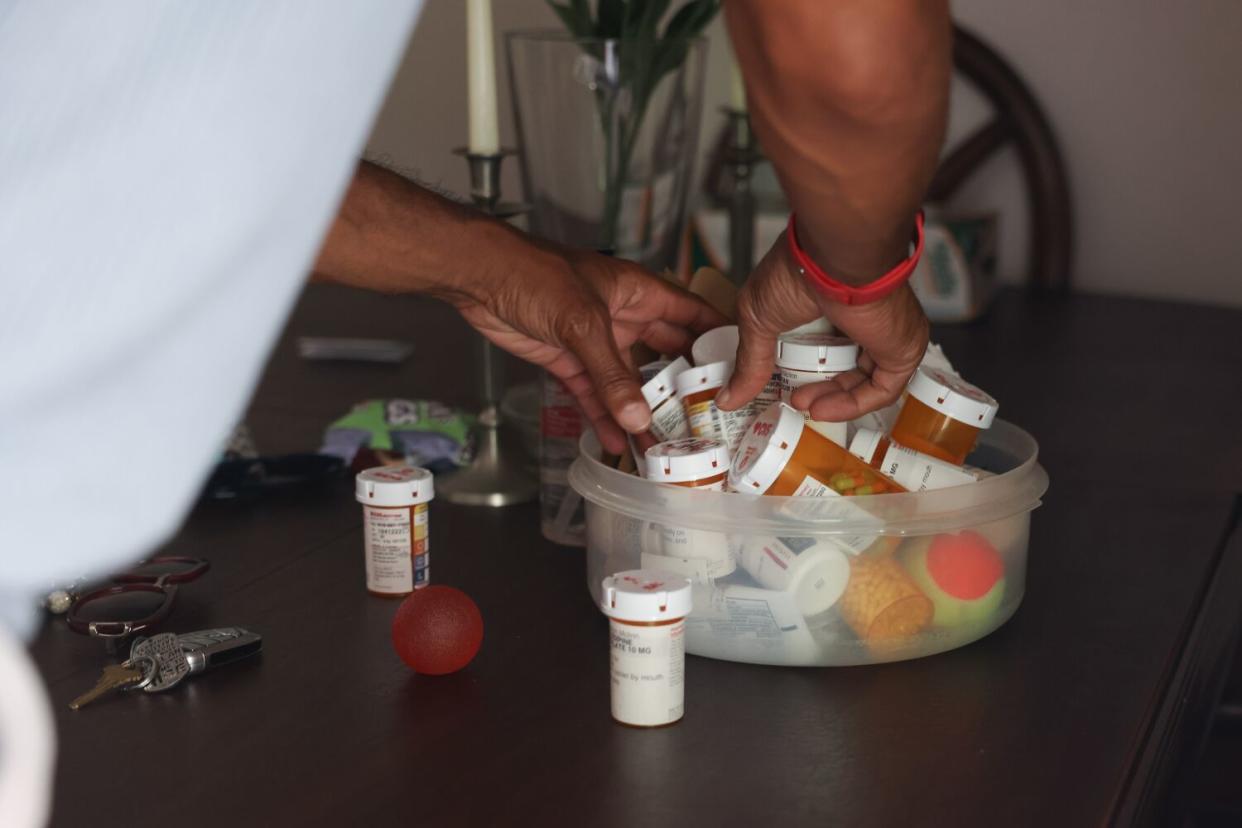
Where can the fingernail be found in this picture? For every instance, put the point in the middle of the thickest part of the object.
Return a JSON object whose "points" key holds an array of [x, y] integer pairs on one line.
{"points": [[635, 417], [722, 399]]}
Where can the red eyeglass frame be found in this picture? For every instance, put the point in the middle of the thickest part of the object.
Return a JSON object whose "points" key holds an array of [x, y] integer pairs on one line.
{"points": [[133, 581]]}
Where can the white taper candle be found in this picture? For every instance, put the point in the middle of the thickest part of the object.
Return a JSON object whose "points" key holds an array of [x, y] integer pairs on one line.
{"points": [[481, 76]]}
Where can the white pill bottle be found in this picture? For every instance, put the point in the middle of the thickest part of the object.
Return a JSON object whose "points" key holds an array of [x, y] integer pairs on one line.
{"points": [[647, 612]]}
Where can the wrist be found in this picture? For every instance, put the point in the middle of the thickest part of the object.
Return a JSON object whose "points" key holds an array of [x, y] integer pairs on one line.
{"points": [[852, 291]]}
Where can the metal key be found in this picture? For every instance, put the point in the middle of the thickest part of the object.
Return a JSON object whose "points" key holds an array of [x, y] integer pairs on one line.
{"points": [[130, 674], [178, 656], [170, 663]]}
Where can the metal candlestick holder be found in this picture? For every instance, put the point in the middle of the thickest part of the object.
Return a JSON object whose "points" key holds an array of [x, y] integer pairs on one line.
{"points": [[496, 476], [742, 154]]}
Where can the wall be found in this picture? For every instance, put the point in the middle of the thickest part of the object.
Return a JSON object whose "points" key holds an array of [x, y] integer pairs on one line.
{"points": [[1142, 94]]}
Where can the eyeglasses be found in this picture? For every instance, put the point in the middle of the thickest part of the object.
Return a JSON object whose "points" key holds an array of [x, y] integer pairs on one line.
{"points": [[138, 599], [254, 477]]}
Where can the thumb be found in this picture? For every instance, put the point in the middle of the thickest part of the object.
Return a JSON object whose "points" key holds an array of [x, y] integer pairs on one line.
{"points": [[590, 339], [756, 356]]}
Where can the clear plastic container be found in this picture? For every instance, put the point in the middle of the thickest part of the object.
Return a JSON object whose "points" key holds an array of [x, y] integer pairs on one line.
{"points": [[693, 463], [560, 427], [954, 571]]}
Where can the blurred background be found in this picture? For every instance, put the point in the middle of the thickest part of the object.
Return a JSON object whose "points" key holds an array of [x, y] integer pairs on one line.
{"points": [[1142, 97]]}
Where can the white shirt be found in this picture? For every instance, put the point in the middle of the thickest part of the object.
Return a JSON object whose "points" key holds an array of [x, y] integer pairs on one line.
{"points": [[167, 171]]}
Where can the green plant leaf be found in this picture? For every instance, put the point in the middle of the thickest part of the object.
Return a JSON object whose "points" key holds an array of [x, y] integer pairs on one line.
{"points": [[648, 18], [573, 19], [611, 21], [691, 19]]}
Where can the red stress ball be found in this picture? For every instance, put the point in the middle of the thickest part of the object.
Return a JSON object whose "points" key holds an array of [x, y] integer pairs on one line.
{"points": [[437, 630]]}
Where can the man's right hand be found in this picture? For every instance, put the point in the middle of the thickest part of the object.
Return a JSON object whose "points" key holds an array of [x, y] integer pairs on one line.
{"points": [[891, 334]]}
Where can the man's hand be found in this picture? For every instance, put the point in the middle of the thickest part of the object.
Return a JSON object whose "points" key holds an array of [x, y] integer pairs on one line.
{"points": [[576, 313], [891, 335], [849, 99]]}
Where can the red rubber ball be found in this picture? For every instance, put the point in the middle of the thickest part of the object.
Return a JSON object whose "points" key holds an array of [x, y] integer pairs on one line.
{"points": [[437, 630]]}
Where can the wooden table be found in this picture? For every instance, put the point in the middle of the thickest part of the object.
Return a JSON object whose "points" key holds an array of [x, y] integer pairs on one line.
{"points": [[1084, 709]]}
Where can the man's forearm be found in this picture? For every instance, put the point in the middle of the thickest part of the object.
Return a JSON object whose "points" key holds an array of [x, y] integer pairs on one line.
{"points": [[394, 236], [849, 99]]}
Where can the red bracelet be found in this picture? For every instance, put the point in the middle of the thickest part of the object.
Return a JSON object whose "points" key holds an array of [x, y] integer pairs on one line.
{"points": [[848, 294]]}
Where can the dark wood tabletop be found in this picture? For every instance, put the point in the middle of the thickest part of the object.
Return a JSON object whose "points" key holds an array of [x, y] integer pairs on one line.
{"points": [[1086, 708]]}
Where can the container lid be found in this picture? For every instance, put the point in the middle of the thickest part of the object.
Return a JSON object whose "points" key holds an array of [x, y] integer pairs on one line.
{"points": [[953, 397], [717, 345], [690, 458], [821, 352], [820, 582], [765, 449], [704, 377], [660, 387], [394, 486], [864, 444], [646, 595], [648, 371]]}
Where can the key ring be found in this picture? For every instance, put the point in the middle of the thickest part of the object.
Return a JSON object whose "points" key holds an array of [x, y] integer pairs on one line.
{"points": [[149, 670]]}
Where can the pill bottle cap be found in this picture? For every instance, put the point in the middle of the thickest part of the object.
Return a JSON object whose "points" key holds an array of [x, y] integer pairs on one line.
{"points": [[821, 577], [648, 371], [864, 444], [717, 345], [952, 396], [660, 387], [765, 449], [394, 486], [820, 352], [689, 458], [646, 595], [711, 375]]}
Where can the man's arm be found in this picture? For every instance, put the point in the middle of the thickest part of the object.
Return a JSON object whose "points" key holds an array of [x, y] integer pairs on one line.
{"points": [[849, 100], [573, 312]]}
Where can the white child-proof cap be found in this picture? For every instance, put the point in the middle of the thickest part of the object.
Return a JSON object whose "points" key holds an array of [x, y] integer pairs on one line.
{"points": [[952, 396], [820, 352], [662, 386], [765, 450], [394, 486], [646, 595], [717, 345], [711, 375], [648, 371], [689, 458], [864, 444]]}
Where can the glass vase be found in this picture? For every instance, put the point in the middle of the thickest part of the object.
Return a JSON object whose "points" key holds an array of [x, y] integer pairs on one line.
{"points": [[607, 140]]}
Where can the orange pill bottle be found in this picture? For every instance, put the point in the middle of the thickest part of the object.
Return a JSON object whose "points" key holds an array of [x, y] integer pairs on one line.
{"points": [[697, 389], [782, 455], [943, 415], [915, 470]]}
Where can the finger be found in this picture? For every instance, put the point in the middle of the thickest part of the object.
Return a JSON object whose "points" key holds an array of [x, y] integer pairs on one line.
{"points": [[610, 435], [667, 339], [589, 336], [882, 388], [659, 299], [804, 397], [643, 442], [756, 357]]}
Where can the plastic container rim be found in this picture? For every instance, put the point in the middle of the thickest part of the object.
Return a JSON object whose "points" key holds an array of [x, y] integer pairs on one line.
{"points": [[916, 513]]}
